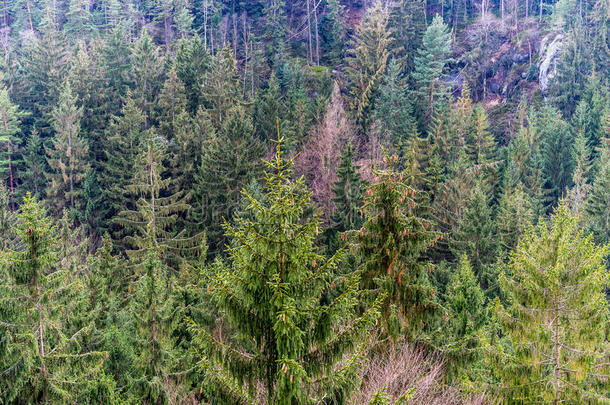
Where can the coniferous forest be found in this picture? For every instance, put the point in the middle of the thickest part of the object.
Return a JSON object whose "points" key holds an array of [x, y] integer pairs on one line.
{"points": [[304, 202]]}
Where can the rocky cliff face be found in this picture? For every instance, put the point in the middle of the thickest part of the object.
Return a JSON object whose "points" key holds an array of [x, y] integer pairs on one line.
{"points": [[550, 50]]}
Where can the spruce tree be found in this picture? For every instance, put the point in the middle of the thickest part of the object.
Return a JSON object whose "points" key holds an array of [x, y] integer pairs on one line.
{"points": [[8, 220], [516, 212], [150, 224], [35, 166], [121, 146], [348, 193], [598, 203], [430, 64], [289, 348], [79, 22], [44, 358], [222, 86], [67, 157], [556, 318], [231, 159], [152, 309], [391, 242], [146, 69], [466, 319], [474, 235], [192, 62], [393, 112], [577, 195], [10, 117], [367, 63]]}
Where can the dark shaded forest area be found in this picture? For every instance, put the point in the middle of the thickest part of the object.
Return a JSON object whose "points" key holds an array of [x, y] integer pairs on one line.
{"points": [[304, 201]]}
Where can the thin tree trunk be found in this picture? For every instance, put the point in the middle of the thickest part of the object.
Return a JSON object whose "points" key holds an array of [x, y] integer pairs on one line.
{"points": [[315, 20], [27, 5], [310, 55], [540, 17], [41, 351]]}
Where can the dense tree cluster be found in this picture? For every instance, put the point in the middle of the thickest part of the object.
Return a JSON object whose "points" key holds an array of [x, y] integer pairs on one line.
{"points": [[277, 201]]}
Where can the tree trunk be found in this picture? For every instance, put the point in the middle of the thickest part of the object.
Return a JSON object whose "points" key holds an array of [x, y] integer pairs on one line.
{"points": [[540, 10], [315, 20], [10, 162], [27, 5], [310, 54]]}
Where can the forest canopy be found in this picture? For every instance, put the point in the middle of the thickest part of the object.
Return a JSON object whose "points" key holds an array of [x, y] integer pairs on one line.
{"points": [[304, 201]]}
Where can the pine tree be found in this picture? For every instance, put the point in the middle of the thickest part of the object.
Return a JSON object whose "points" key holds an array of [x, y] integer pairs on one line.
{"points": [[367, 63], [67, 158], [391, 242], [44, 358], [8, 220], [467, 316], [480, 143], [430, 64], [557, 317], [9, 127], [192, 62], [288, 348], [231, 159], [183, 18], [41, 76], [332, 31]]}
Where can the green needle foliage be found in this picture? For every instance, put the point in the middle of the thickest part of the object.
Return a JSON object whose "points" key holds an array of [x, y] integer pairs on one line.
{"points": [[43, 358], [289, 346], [556, 318], [392, 242]]}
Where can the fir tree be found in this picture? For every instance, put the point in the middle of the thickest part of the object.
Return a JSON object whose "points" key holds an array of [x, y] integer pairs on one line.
{"points": [[367, 63], [391, 242], [67, 158], [192, 62], [289, 348], [557, 317], [430, 64], [44, 358]]}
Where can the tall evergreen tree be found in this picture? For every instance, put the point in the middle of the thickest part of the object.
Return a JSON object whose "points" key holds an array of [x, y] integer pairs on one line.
{"points": [[557, 316], [577, 195], [598, 202], [391, 242], [467, 316], [34, 166], [10, 117], [150, 223], [348, 193], [430, 65], [394, 112], [367, 63], [67, 158], [43, 357], [289, 347], [231, 159]]}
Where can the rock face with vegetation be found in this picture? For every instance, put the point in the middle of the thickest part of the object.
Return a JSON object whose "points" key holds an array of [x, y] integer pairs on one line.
{"points": [[304, 201]]}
